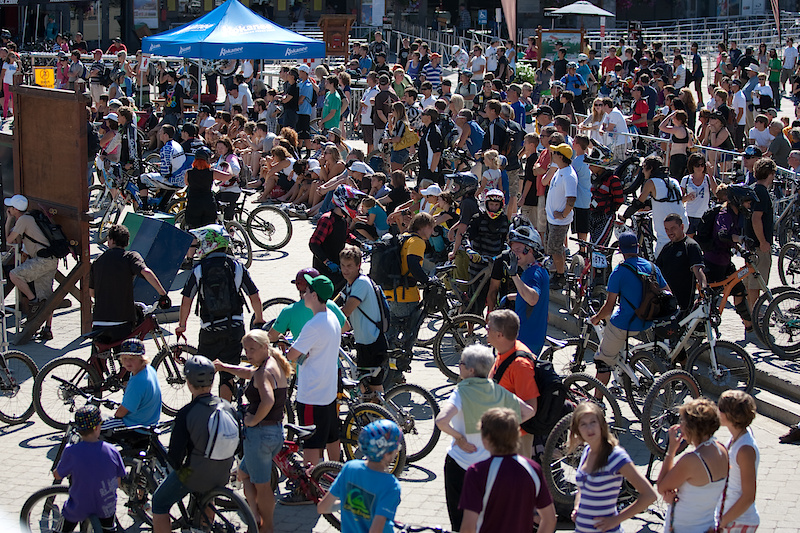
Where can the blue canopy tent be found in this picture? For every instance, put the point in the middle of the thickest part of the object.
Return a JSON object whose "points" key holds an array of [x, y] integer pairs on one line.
{"points": [[232, 31]]}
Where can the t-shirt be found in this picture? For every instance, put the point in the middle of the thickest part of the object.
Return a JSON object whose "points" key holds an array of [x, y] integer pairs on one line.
{"points": [[94, 468], [780, 148], [293, 317], [680, 77], [533, 320], [763, 90], [142, 398], [695, 208], [26, 225], [397, 196], [477, 63], [367, 313], [514, 489], [111, 276], [584, 182], [11, 69], [789, 57], [599, 490], [366, 493], [764, 207], [609, 63], [620, 126], [319, 341], [383, 102], [380, 218], [366, 114], [761, 138], [739, 102], [564, 184], [519, 376], [172, 99], [413, 245], [628, 286], [676, 261], [333, 102], [306, 88]]}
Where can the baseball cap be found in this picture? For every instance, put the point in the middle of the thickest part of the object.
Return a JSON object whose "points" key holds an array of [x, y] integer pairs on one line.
{"points": [[132, 347], [314, 166], [304, 68], [628, 243], [300, 279], [87, 418], [17, 202], [435, 54], [544, 110], [321, 285], [563, 149], [112, 116], [750, 151], [205, 109], [360, 166], [97, 51], [736, 81], [114, 101], [433, 190]]}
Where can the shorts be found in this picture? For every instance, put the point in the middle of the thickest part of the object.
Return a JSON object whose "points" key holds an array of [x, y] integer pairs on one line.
{"points": [[261, 444], [733, 527], [556, 234], [541, 218], [377, 134], [368, 131], [371, 356], [40, 271], [170, 492], [694, 224], [513, 184], [580, 222], [225, 345], [764, 265], [368, 228], [716, 273], [325, 417], [400, 156], [303, 126], [610, 346]]}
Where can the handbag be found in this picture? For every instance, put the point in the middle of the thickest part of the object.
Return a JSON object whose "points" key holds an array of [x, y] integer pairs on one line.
{"points": [[408, 139]]}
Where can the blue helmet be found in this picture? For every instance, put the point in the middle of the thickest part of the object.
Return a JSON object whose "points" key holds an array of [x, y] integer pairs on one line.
{"points": [[379, 438]]}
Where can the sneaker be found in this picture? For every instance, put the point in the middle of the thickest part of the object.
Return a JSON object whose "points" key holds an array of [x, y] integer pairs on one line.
{"points": [[45, 334], [35, 307], [792, 436], [557, 282], [295, 498]]}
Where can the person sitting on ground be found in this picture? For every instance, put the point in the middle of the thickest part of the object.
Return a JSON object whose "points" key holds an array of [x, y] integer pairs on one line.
{"points": [[371, 221]]}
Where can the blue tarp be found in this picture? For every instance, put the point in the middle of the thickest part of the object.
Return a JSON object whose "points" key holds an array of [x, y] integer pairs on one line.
{"points": [[232, 31]]}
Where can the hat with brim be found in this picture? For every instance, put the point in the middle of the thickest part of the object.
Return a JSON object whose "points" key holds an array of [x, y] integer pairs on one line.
{"points": [[563, 149], [360, 166], [17, 201], [314, 166], [321, 285], [628, 243], [544, 110], [433, 190], [112, 116]]}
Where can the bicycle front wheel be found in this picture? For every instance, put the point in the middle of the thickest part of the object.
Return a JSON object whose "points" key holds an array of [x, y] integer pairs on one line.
{"points": [[582, 387], [240, 246], [760, 311], [222, 509], [735, 369], [662, 405], [646, 368], [789, 264], [782, 325], [323, 476], [570, 356], [99, 200], [42, 511], [110, 217], [460, 332], [168, 365], [269, 227], [575, 289], [54, 400], [16, 387], [415, 410], [358, 418], [559, 464], [271, 309]]}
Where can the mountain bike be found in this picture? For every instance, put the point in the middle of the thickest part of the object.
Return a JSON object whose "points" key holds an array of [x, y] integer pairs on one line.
{"points": [[789, 264], [782, 325], [239, 242], [587, 280]]}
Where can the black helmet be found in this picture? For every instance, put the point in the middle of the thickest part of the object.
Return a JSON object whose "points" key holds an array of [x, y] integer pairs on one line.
{"points": [[199, 371], [204, 153], [467, 184], [738, 195]]}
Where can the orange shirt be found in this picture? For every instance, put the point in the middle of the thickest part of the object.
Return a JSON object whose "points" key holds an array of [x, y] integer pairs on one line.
{"points": [[518, 377]]}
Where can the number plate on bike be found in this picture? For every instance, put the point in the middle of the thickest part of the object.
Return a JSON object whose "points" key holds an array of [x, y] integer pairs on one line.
{"points": [[393, 363], [599, 260]]}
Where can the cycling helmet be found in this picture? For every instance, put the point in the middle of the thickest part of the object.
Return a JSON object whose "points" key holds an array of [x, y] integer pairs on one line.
{"points": [[347, 199], [199, 371], [583, 57], [600, 156], [519, 220], [495, 195], [379, 438], [528, 236], [463, 184], [204, 153], [738, 195], [5, 34], [211, 238]]}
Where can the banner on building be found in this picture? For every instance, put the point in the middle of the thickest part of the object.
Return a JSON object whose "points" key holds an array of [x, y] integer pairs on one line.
{"points": [[146, 12]]}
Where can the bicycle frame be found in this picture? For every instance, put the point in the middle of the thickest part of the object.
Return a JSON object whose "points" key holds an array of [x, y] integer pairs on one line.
{"points": [[286, 461], [749, 269], [477, 283]]}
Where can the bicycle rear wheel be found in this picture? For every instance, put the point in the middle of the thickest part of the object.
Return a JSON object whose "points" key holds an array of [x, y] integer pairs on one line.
{"points": [[629, 172], [99, 201], [269, 227], [271, 309], [324, 475], [735, 368], [646, 368], [582, 387], [571, 356], [576, 289], [789, 264], [760, 311], [782, 325], [240, 246], [460, 332], [222, 509], [110, 217], [54, 401], [415, 410], [42, 511], [662, 405], [559, 464], [16, 388], [168, 365], [357, 419]]}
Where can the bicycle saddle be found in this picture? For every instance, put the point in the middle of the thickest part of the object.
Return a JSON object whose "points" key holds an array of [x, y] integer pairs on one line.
{"points": [[302, 432]]}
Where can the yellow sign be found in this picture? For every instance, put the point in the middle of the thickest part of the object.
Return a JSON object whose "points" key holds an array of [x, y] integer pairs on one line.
{"points": [[45, 77]]}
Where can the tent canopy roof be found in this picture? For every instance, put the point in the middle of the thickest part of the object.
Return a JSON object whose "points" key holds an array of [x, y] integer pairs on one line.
{"points": [[582, 7]]}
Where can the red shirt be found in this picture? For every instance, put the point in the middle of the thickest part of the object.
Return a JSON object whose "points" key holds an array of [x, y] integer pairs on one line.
{"points": [[518, 377], [116, 47], [609, 63]]}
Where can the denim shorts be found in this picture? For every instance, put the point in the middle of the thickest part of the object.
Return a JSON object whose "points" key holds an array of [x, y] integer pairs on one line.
{"points": [[400, 156], [170, 492], [261, 444]]}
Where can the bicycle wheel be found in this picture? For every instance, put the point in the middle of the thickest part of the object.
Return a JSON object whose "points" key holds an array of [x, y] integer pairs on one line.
{"points": [[98, 203], [360, 416], [432, 322], [559, 464], [168, 364], [41, 512], [271, 309], [411, 170], [323, 475], [240, 247], [646, 368], [415, 410], [180, 220], [760, 311], [54, 401], [660, 410], [269, 227], [460, 332], [16, 387], [582, 387], [110, 217], [571, 356], [789, 264], [788, 230], [575, 288], [222, 509], [735, 369], [782, 325], [629, 172]]}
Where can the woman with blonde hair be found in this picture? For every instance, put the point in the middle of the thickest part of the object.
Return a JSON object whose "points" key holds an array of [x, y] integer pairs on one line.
{"points": [[601, 470], [397, 126], [268, 372], [592, 123]]}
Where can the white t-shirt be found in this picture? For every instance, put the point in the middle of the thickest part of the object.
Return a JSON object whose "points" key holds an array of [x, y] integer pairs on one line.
{"points": [[618, 120], [761, 138], [11, 69], [477, 63], [702, 195], [563, 185], [680, 77], [207, 123], [319, 340], [425, 103], [789, 57], [764, 90], [366, 115], [247, 69], [739, 102], [491, 59]]}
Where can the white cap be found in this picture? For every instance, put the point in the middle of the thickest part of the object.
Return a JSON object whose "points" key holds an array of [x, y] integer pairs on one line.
{"points": [[314, 166], [111, 116], [304, 68], [115, 102], [17, 202], [360, 166], [433, 190], [456, 48]]}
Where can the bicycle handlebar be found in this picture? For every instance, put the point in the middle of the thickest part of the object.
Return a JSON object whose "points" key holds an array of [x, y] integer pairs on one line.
{"points": [[592, 245]]}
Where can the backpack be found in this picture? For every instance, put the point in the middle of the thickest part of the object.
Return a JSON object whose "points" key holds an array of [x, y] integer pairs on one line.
{"points": [[508, 145], [657, 302], [705, 229], [245, 174], [105, 77], [220, 282], [552, 393], [84, 73], [385, 266], [223, 433], [59, 246], [674, 194], [383, 305], [313, 99]]}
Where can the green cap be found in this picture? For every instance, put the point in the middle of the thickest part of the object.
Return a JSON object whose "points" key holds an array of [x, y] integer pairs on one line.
{"points": [[321, 285]]}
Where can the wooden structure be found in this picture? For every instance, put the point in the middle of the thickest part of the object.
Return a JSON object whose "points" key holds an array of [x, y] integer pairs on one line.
{"points": [[336, 34], [50, 162]]}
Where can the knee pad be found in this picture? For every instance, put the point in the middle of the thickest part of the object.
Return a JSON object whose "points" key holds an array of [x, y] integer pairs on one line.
{"points": [[743, 311]]}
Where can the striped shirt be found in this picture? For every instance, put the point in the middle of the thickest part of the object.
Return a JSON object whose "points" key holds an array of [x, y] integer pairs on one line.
{"points": [[599, 490], [433, 75]]}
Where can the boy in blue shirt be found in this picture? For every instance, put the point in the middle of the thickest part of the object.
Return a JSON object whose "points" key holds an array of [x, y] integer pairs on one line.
{"points": [[368, 493]]}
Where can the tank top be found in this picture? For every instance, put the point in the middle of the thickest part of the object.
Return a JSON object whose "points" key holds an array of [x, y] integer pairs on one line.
{"points": [[701, 203], [750, 517], [694, 509], [275, 415], [681, 140], [666, 200]]}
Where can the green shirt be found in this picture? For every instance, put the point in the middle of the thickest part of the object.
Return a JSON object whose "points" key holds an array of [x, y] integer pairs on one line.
{"points": [[775, 66], [295, 316], [332, 102]]}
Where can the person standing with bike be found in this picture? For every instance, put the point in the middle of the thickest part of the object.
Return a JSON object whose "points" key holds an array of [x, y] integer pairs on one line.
{"points": [[760, 225], [681, 256], [188, 443]]}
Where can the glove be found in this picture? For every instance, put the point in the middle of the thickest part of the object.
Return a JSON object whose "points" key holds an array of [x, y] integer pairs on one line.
{"points": [[513, 266], [332, 266], [474, 256], [164, 302], [433, 280]]}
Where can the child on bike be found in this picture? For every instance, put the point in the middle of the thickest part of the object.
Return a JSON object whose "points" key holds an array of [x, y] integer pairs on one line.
{"points": [[95, 468], [369, 494]]}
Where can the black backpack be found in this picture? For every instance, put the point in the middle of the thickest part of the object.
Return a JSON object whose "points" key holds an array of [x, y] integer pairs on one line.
{"points": [[552, 393], [219, 290], [313, 101], [705, 229], [657, 302], [385, 266], [57, 244], [105, 77]]}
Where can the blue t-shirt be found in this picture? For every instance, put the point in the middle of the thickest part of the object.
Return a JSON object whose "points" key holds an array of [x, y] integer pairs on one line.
{"points": [[365, 63], [573, 83], [629, 287], [306, 89], [584, 71], [365, 494], [94, 467], [380, 218], [519, 113], [533, 320], [142, 398], [584, 198], [367, 313]]}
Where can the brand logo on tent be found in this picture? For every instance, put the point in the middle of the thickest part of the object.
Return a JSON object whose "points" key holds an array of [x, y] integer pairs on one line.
{"points": [[184, 49], [296, 51], [154, 47], [228, 51]]}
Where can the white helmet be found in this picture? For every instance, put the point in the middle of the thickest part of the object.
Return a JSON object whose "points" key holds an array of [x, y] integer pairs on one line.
{"points": [[528, 236], [211, 238], [456, 48]]}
